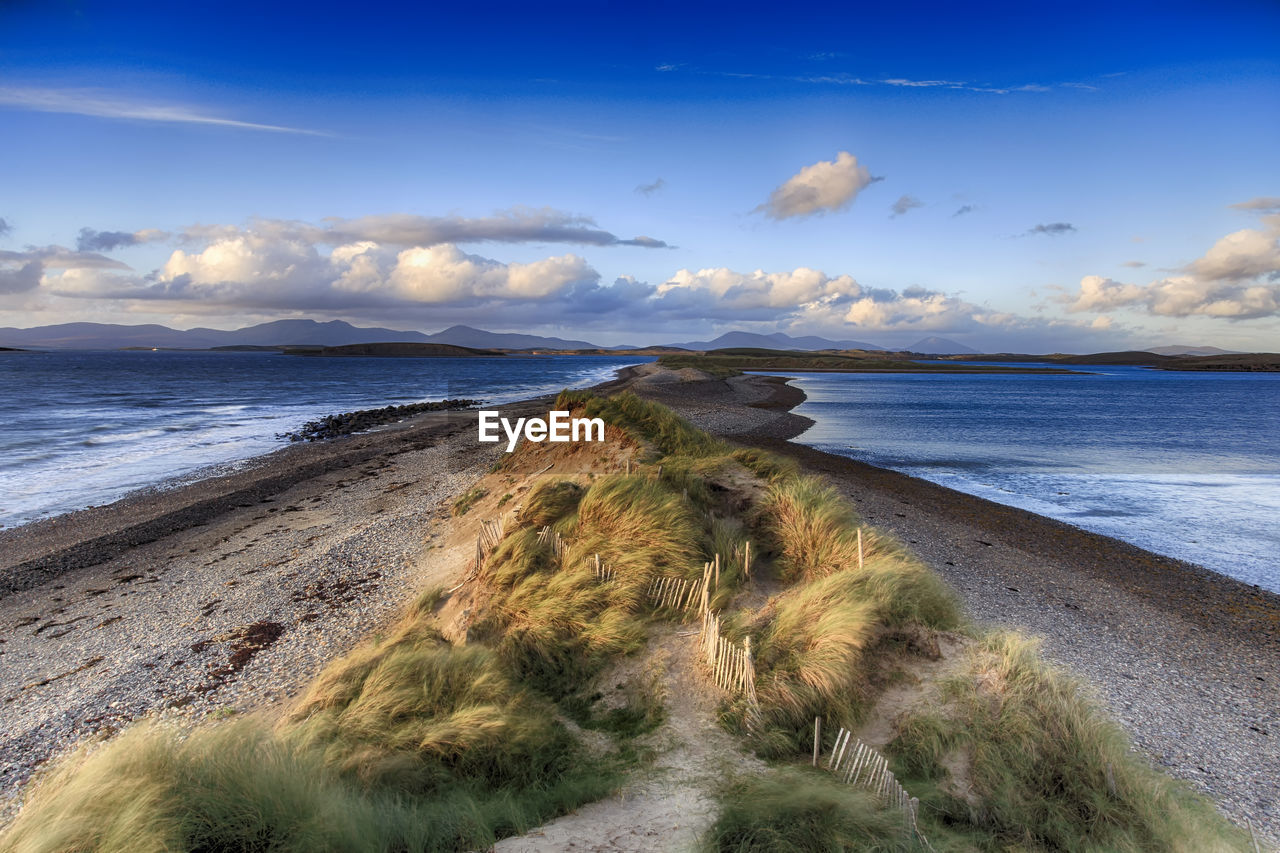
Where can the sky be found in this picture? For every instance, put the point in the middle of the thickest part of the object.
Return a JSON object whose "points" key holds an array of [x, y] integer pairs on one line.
{"points": [[1085, 177]]}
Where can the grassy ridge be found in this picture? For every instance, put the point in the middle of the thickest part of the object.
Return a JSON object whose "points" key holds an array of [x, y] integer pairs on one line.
{"points": [[412, 743]]}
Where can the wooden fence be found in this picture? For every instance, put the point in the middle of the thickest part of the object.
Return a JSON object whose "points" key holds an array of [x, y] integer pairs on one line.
{"points": [[547, 535], [855, 763], [733, 667]]}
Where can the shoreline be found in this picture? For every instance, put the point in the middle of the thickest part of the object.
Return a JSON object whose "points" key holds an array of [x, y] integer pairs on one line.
{"points": [[1185, 658]]}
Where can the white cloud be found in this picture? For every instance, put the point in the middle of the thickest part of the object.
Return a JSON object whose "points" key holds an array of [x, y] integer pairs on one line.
{"points": [[444, 274], [1236, 279], [1244, 254], [828, 185]]}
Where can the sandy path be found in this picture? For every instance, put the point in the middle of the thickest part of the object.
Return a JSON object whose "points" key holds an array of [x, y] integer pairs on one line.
{"points": [[669, 805]]}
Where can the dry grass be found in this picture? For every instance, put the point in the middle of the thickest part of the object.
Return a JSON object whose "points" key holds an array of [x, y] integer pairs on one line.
{"points": [[1043, 766], [814, 534]]}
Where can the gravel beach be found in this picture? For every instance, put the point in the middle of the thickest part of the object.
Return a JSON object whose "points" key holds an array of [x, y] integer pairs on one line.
{"points": [[230, 593], [225, 594]]}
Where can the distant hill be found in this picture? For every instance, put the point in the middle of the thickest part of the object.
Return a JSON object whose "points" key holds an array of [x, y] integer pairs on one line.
{"points": [[465, 336], [776, 341], [393, 350], [1179, 349], [1262, 362], [940, 346]]}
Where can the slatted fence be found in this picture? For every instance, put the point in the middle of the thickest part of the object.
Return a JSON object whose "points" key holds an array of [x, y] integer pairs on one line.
{"points": [[855, 763]]}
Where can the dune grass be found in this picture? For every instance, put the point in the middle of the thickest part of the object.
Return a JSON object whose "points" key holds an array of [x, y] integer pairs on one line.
{"points": [[1043, 767], [801, 811], [552, 621]]}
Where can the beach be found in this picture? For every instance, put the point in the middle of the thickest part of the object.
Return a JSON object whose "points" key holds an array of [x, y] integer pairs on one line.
{"points": [[229, 593]]}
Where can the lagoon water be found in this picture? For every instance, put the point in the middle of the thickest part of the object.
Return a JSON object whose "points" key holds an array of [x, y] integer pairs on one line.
{"points": [[1183, 464], [85, 428]]}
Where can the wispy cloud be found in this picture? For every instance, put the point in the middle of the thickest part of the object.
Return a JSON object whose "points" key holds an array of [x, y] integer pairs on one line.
{"points": [[905, 204], [1261, 204], [1053, 229], [844, 79], [964, 208], [90, 240], [650, 189], [5, 227], [101, 104]]}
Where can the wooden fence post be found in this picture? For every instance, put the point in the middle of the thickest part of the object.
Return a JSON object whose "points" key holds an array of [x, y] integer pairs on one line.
{"points": [[746, 560], [859, 549], [817, 738]]}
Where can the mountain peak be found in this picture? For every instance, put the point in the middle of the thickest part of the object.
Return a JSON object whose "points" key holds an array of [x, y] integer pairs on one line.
{"points": [[935, 345]]}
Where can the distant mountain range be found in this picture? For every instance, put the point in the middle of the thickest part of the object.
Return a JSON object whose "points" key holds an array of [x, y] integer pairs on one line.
{"points": [[1180, 349], [334, 333]]}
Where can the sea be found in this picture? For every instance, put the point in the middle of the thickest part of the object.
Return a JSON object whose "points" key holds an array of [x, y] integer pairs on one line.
{"points": [[1182, 464], [84, 428]]}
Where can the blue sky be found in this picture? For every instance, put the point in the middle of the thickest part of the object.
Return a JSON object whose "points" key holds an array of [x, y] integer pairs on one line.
{"points": [[1088, 178]]}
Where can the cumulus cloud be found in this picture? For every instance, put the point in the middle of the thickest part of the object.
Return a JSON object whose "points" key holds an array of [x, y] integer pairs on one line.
{"points": [[1261, 204], [1238, 278], [90, 240], [963, 209], [1244, 254], [905, 204], [1053, 229], [650, 189], [825, 186]]}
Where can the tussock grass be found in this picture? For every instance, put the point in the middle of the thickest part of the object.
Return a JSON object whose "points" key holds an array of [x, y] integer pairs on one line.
{"points": [[553, 622], [228, 787], [418, 715], [1044, 767], [814, 533], [548, 501], [810, 660], [646, 422], [801, 811]]}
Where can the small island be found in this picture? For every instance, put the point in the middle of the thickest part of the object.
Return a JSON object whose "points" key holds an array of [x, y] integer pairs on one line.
{"points": [[392, 350]]}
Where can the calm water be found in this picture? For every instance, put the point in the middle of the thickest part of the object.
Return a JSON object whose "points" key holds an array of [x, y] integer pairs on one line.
{"points": [[1183, 464], [85, 428]]}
